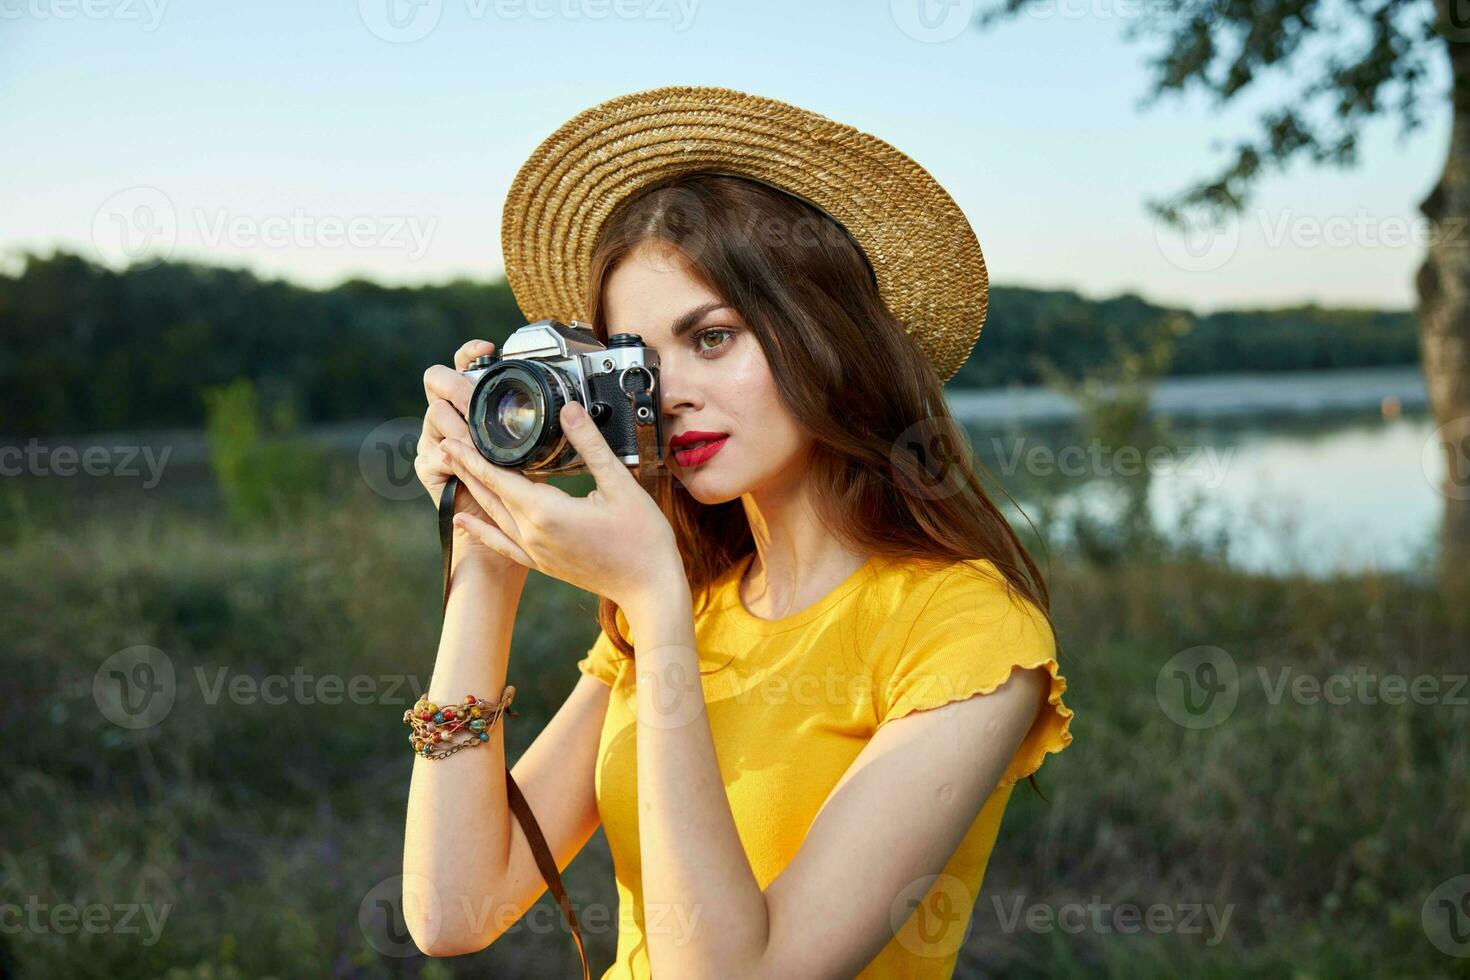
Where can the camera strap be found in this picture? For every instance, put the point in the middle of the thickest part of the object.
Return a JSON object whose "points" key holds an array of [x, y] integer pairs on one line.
{"points": [[648, 471]]}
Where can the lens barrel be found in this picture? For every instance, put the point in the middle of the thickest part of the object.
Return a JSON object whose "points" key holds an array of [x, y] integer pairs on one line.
{"points": [[514, 413]]}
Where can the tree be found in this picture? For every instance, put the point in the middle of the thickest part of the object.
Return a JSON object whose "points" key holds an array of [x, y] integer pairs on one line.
{"points": [[1367, 57]]}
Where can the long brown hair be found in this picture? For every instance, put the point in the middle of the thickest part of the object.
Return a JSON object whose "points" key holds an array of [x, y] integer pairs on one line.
{"points": [[845, 369]]}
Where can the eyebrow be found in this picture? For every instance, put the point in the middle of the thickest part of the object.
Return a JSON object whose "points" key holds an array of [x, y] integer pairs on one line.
{"points": [[691, 319]]}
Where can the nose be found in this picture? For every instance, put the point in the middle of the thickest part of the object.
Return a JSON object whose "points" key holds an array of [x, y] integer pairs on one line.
{"points": [[675, 396]]}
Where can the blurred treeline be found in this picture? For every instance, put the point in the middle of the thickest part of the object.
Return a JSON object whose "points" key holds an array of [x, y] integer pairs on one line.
{"points": [[84, 348]]}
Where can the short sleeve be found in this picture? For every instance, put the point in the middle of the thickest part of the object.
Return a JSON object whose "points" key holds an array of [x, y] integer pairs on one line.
{"points": [[604, 660], [968, 636]]}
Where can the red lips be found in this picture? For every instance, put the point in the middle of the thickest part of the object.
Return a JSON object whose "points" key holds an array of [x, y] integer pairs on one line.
{"points": [[685, 439]]}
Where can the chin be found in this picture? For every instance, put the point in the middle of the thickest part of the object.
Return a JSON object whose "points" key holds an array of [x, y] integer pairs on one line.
{"points": [[706, 490]]}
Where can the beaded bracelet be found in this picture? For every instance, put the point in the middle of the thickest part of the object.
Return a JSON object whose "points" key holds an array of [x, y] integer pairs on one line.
{"points": [[434, 726]]}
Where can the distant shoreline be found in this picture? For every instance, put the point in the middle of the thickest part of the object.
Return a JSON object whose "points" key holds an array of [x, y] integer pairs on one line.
{"points": [[1215, 395], [1222, 395]]}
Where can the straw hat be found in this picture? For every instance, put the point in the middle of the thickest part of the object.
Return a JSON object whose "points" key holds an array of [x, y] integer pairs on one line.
{"points": [[924, 254]]}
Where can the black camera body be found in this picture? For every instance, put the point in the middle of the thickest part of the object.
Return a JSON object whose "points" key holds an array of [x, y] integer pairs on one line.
{"points": [[515, 407]]}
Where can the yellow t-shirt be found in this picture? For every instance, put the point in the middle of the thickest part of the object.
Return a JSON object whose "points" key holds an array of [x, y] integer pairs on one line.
{"points": [[791, 703]]}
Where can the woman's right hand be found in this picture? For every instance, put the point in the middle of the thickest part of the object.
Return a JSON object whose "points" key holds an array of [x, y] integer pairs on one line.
{"points": [[448, 394]]}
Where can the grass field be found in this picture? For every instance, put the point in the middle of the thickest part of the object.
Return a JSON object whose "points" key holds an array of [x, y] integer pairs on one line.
{"points": [[245, 832]]}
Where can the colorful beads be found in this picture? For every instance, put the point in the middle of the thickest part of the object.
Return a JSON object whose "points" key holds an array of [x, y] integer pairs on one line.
{"points": [[434, 725]]}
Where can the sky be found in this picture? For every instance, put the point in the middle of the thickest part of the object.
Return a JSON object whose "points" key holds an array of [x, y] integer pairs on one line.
{"points": [[317, 141]]}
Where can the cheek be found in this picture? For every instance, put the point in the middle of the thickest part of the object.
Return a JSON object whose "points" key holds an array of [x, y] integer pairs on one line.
{"points": [[749, 396]]}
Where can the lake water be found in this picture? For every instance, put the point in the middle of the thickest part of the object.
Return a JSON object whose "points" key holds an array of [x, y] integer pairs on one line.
{"points": [[1318, 472]]}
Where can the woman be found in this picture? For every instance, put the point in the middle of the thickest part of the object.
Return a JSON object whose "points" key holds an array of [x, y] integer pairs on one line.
{"points": [[875, 665]]}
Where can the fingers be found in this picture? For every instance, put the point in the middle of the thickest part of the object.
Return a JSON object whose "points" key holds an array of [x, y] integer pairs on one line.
{"points": [[489, 501], [441, 422], [470, 351], [584, 435], [493, 538], [519, 494], [443, 381]]}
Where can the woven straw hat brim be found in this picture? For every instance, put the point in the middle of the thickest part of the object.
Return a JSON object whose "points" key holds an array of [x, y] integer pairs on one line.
{"points": [[925, 256]]}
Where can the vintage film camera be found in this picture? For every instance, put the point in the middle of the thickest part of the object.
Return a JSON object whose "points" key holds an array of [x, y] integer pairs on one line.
{"points": [[514, 409]]}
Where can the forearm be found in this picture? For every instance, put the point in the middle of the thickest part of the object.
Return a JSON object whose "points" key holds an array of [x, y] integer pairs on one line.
{"points": [[458, 829], [697, 880]]}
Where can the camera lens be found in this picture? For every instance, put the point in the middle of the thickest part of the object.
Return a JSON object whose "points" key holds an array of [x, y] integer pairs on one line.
{"points": [[514, 411]]}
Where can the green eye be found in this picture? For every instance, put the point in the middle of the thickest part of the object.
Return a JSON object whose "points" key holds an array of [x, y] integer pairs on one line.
{"points": [[699, 340]]}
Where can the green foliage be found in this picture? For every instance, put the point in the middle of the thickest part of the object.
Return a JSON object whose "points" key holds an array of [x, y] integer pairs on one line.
{"points": [[265, 824], [259, 474], [84, 348], [1113, 399], [1074, 333]]}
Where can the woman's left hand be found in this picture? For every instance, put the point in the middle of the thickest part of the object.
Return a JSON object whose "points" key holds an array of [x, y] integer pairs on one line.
{"points": [[615, 542]]}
